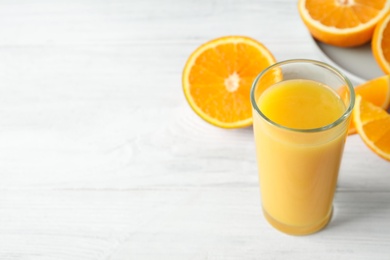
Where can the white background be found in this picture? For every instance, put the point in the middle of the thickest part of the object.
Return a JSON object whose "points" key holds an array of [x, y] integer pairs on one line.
{"points": [[102, 158]]}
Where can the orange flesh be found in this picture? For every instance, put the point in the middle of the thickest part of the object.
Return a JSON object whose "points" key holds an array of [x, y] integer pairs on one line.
{"points": [[376, 91], [211, 74], [385, 43], [331, 12], [373, 125]]}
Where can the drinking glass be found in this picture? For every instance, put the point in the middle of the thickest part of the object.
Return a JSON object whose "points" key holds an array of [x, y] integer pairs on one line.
{"points": [[298, 167]]}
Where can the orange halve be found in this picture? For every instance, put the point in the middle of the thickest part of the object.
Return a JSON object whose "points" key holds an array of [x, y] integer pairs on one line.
{"points": [[373, 125], [343, 23], [218, 76]]}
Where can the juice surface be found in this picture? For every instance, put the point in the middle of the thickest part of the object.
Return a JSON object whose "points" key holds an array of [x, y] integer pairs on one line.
{"points": [[297, 170], [301, 104]]}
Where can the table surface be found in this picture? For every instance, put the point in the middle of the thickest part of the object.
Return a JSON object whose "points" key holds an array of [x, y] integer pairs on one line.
{"points": [[102, 158]]}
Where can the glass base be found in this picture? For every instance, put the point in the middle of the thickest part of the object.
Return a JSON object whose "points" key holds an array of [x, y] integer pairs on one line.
{"points": [[298, 230]]}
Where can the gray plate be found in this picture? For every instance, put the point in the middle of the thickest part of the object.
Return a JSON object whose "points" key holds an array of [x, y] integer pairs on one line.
{"points": [[356, 63]]}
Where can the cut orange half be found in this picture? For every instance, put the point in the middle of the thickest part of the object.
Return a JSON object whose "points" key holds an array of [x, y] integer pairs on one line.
{"points": [[218, 76], [380, 44], [376, 91], [343, 23], [373, 125]]}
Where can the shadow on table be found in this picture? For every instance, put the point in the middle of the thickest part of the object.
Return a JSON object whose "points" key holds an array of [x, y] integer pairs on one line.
{"points": [[357, 208]]}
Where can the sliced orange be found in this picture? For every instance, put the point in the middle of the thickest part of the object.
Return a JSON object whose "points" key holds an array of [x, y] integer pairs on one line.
{"points": [[373, 125], [218, 76], [343, 23], [380, 44], [376, 91]]}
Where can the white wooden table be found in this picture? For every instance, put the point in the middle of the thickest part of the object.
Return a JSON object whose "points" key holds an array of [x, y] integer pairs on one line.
{"points": [[102, 158]]}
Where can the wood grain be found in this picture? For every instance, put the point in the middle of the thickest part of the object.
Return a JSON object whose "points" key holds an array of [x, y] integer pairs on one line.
{"points": [[102, 158]]}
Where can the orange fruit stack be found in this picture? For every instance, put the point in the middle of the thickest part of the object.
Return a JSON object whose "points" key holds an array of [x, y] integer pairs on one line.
{"points": [[372, 100], [218, 76], [349, 23], [376, 91], [343, 23]]}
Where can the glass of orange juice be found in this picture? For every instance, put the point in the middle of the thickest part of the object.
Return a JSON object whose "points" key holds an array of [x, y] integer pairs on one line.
{"points": [[301, 113]]}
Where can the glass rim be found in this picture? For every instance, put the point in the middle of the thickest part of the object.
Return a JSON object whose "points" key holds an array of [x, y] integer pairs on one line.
{"points": [[341, 119]]}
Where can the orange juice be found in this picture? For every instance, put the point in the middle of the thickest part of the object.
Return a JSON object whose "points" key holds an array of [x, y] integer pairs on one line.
{"points": [[298, 167]]}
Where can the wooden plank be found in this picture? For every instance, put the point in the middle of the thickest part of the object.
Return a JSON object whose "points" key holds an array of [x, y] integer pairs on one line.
{"points": [[202, 223], [102, 158]]}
